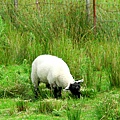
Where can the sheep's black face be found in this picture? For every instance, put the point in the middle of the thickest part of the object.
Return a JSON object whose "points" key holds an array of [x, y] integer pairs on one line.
{"points": [[75, 89]]}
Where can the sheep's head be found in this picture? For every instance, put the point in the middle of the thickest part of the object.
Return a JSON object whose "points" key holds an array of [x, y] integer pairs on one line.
{"points": [[75, 88]]}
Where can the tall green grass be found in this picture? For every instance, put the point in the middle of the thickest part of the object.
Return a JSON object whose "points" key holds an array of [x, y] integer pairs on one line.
{"points": [[60, 28]]}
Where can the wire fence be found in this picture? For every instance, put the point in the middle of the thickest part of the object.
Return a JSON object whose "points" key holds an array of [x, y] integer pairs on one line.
{"points": [[98, 14]]}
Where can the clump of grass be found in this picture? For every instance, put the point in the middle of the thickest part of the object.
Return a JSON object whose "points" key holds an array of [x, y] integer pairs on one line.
{"points": [[21, 105], [49, 105], [87, 92], [58, 112], [108, 108], [73, 114], [43, 91], [74, 110], [114, 70]]}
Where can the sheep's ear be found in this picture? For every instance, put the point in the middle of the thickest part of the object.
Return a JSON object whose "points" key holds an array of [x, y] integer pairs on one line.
{"points": [[79, 81]]}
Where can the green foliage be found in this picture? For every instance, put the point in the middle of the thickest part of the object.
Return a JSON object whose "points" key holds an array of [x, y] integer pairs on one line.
{"points": [[38, 30], [15, 81], [62, 31], [108, 108], [59, 28]]}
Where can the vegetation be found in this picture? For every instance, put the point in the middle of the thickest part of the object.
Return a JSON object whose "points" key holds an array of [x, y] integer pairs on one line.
{"points": [[60, 28]]}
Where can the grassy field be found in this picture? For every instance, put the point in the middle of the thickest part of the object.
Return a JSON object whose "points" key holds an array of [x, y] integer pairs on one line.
{"points": [[60, 28], [17, 99]]}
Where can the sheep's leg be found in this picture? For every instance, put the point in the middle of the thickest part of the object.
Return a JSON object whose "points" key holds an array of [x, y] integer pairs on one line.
{"points": [[59, 91], [79, 94], [36, 88], [55, 90], [37, 92], [48, 86], [35, 82]]}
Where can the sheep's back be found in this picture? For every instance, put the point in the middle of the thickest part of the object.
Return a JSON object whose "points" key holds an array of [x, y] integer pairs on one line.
{"points": [[50, 67]]}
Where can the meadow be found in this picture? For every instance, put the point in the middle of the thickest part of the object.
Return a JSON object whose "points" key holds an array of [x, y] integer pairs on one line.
{"points": [[60, 28]]}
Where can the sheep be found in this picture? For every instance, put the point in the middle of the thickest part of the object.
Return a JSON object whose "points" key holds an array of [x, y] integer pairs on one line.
{"points": [[54, 72]]}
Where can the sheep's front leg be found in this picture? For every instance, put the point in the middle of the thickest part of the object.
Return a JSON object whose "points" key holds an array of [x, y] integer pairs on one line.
{"points": [[57, 92], [48, 86], [79, 94]]}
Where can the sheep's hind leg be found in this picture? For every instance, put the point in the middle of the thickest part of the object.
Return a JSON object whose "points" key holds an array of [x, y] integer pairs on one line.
{"points": [[36, 90]]}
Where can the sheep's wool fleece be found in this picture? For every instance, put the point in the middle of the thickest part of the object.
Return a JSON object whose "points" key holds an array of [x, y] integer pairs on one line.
{"points": [[53, 70]]}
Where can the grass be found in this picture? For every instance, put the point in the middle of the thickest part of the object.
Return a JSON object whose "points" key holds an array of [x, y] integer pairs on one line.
{"points": [[61, 29], [108, 108], [93, 105], [101, 107]]}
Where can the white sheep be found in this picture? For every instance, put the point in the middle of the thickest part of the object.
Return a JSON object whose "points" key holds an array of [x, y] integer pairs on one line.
{"points": [[53, 71]]}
